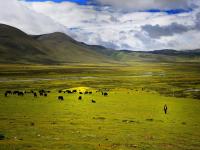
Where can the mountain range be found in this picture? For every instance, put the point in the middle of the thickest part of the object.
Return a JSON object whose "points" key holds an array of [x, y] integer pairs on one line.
{"points": [[59, 48]]}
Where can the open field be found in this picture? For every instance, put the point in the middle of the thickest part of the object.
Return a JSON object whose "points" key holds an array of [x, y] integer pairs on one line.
{"points": [[130, 117], [170, 79]]}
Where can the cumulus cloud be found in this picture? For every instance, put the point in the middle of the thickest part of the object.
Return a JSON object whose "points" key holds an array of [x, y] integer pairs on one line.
{"points": [[14, 13], [104, 25], [148, 4], [115, 29], [157, 31]]}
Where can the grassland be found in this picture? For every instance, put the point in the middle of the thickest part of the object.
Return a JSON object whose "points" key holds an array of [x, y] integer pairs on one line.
{"points": [[129, 118]]}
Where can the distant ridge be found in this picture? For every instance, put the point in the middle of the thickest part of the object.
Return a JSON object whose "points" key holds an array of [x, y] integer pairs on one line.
{"points": [[18, 47], [57, 48]]}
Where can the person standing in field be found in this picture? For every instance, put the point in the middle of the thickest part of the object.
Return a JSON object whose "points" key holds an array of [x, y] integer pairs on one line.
{"points": [[165, 109]]}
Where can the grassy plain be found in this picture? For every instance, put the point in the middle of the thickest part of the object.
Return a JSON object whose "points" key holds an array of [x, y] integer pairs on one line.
{"points": [[129, 118]]}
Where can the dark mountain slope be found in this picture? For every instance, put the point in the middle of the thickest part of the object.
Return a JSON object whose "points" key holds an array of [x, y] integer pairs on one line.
{"points": [[64, 49], [18, 47]]}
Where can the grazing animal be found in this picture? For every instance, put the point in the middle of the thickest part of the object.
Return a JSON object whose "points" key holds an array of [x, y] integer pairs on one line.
{"points": [[165, 109], [93, 101], [35, 94], [105, 94], [69, 92], [61, 98], [42, 91], [9, 92], [90, 92], [2, 136], [80, 92], [80, 98], [6, 94], [60, 91], [74, 91]]}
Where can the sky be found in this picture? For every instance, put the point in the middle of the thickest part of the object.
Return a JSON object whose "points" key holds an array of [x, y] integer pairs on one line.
{"points": [[139, 25]]}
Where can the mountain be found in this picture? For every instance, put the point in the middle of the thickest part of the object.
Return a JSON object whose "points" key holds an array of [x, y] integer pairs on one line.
{"points": [[56, 48], [18, 47], [65, 49], [165, 55], [171, 52]]}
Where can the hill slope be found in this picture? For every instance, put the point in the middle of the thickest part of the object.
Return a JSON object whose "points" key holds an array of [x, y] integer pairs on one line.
{"points": [[18, 47], [64, 49], [157, 56]]}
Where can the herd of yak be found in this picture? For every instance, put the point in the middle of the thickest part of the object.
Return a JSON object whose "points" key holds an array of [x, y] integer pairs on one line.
{"points": [[45, 93]]}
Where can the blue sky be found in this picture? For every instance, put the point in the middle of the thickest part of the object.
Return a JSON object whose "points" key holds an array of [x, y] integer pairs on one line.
{"points": [[85, 2], [170, 11]]}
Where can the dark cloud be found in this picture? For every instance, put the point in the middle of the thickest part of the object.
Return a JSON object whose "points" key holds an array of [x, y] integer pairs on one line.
{"points": [[158, 31], [197, 26]]}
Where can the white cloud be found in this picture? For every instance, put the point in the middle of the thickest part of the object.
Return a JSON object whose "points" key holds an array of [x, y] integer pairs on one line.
{"points": [[147, 4], [102, 25], [121, 30], [14, 13]]}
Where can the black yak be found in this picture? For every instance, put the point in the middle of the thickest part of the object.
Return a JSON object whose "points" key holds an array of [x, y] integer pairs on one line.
{"points": [[35, 94], [61, 98], [93, 101], [80, 98], [105, 94]]}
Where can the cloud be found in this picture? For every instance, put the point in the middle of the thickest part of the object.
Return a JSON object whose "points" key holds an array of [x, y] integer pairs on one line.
{"points": [[14, 13], [104, 25], [147, 4], [157, 31]]}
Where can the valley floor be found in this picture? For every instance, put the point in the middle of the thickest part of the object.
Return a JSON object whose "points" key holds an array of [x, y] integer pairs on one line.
{"points": [[130, 117]]}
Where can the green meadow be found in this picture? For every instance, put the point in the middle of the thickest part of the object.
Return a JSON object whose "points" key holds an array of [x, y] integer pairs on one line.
{"points": [[130, 117]]}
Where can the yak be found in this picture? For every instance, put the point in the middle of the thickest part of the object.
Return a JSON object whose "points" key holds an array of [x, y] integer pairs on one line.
{"points": [[35, 94], [105, 94], [61, 98], [80, 98], [93, 101]]}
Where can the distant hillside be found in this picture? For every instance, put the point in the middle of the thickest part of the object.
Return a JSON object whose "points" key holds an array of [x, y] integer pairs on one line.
{"points": [[18, 47], [64, 49], [55, 48], [170, 52], [157, 56]]}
